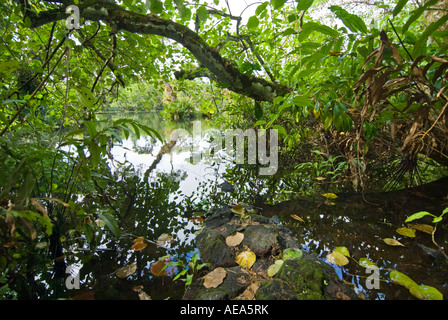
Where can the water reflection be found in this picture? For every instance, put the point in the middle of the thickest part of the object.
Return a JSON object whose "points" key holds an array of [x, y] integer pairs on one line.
{"points": [[177, 189], [349, 222]]}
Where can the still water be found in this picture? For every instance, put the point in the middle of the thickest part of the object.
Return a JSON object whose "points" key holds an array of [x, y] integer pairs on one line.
{"points": [[179, 189]]}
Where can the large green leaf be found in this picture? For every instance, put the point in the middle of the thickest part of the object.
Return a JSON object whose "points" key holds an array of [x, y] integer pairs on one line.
{"points": [[422, 292], [314, 26], [304, 4], [155, 6], [202, 13], [253, 22], [416, 14], [110, 222], [85, 97], [420, 45], [9, 66], [277, 4], [351, 21], [418, 215], [400, 5]]}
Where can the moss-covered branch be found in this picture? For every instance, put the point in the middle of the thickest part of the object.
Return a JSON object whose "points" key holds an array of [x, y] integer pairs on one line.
{"points": [[223, 70]]}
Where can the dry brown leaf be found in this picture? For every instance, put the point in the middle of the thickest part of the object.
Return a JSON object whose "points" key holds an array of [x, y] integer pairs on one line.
{"points": [[342, 296], [249, 293], [142, 295], [139, 239], [233, 241], [139, 246], [38, 206], [215, 278], [157, 268], [164, 239]]}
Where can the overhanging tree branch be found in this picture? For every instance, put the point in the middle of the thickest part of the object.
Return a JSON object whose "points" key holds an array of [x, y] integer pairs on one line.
{"points": [[223, 70]]}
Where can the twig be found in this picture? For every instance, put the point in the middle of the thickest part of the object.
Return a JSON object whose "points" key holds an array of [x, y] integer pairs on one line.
{"points": [[399, 39]]}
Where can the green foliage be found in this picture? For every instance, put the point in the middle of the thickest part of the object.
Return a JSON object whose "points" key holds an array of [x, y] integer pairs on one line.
{"points": [[54, 150], [190, 270]]}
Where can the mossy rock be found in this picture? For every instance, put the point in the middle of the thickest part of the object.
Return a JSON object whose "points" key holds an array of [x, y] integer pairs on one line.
{"points": [[262, 240], [305, 278], [234, 283], [214, 250]]}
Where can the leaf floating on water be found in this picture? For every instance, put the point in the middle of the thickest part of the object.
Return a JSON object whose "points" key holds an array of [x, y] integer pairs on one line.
{"points": [[294, 216], [337, 258], [139, 246], [164, 239], [162, 267], [426, 228], [139, 239], [237, 209], [215, 278], [126, 271], [275, 268], [393, 242], [407, 232], [343, 251], [246, 259], [329, 195], [233, 241]]}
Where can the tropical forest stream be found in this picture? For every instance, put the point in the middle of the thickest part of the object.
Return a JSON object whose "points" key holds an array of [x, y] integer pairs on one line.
{"points": [[165, 205]]}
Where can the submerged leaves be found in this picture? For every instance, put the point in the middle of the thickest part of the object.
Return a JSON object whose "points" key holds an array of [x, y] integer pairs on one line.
{"points": [[422, 292], [407, 232], [393, 242]]}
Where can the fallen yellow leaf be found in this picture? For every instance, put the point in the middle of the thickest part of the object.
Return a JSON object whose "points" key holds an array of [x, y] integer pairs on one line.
{"points": [[246, 259]]}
